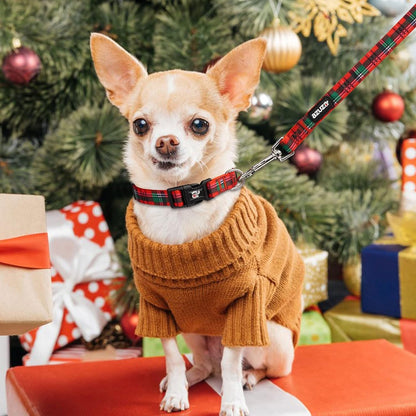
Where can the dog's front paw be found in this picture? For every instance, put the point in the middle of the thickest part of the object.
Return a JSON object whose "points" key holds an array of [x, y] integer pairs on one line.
{"points": [[176, 397], [174, 402], [234, 409]]}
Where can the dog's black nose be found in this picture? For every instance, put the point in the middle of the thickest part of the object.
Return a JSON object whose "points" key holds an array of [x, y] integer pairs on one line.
{"points": [[167, 145]]}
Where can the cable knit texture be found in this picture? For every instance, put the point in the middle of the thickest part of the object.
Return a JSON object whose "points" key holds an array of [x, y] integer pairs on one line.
{"points": [[228, 283]]}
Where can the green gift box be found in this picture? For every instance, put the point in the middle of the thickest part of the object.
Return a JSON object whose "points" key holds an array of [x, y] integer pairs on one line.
{"points": [[314, 329], [152, 347]]}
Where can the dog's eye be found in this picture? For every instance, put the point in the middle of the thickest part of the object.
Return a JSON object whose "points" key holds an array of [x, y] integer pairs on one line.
{"points": [[140, 126], [199, 126]]}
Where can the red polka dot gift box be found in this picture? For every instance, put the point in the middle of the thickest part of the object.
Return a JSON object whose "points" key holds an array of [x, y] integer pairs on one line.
{"points": [[85, 272], [408, 160], [409, 165]]}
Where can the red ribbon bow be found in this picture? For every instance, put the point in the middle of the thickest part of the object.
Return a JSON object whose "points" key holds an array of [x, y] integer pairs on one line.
{"points": [[29, 251]]}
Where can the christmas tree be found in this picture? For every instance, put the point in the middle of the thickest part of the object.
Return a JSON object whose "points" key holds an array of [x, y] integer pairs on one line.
{"points": [[61, 138]]}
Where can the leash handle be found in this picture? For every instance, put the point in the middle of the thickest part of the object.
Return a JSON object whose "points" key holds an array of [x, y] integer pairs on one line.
{"points": [[303, 127]]}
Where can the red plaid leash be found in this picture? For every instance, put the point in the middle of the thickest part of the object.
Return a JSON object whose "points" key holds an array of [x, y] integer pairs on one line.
{"points": [[187, 195], [285, 147]]}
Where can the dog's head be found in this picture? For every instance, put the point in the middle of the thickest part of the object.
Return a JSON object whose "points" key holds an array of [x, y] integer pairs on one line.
{"points": [[181, 122]]}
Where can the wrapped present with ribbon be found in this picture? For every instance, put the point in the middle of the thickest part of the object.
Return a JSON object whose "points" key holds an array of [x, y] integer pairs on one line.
{"points": [[365, 378], [25, 275], [313, 328], [85, 271], [348, 323], [388, 285], [315, 284], [75, 353]]}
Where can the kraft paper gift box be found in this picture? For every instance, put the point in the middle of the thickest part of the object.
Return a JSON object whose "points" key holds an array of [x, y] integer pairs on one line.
{"points": [[348, 323], [388, 282], [25, 276], [315, 284], [362, 378], [85, 272]]}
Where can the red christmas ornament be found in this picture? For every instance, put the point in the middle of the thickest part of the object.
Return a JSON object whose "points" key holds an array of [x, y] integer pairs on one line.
{"points": [[307, 160], [21, 65], [128, 323], [388, 106]]}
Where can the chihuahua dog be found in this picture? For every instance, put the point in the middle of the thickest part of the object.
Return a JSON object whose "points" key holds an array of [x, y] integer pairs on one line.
{"points": [[182, 131]]}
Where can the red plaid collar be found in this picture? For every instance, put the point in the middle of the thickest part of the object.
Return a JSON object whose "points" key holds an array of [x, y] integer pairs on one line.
{"points": [[187, 195]]}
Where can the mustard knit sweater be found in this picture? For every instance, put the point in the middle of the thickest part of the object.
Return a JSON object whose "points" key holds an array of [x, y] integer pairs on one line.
{"points": [[228, 283]]}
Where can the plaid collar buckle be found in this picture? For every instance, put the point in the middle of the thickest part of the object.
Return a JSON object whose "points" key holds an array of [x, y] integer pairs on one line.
{"points": [[192, 194], [188, 195]]}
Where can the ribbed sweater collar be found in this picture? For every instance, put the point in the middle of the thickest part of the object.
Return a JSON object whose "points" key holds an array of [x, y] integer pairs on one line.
{"points": [[226, 249]]}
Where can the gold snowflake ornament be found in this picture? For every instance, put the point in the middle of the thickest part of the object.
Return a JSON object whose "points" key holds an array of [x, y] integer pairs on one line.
{"points": [[325, 16]]}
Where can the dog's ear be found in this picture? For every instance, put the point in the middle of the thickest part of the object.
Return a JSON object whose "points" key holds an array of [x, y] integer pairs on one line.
{"points": [[237, 73], [117, 70]]}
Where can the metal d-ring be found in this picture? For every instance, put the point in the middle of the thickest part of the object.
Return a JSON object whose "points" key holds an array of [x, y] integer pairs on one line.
{"points": [[240, 174]]}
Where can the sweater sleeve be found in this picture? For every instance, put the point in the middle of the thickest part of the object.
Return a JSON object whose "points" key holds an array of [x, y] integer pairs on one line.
{"points": [[246, 323], [155, 322]]}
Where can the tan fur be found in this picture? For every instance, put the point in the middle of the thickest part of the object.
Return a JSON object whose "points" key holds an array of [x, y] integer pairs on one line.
{"points": [[170, 101]]}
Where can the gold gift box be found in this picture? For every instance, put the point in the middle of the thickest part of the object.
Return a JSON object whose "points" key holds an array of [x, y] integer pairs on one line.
{"points": [[315, 285], [25, 294], [348, 323]]}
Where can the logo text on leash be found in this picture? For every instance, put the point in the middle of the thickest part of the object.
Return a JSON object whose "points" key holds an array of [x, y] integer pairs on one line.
{"points": [[321, 108]]}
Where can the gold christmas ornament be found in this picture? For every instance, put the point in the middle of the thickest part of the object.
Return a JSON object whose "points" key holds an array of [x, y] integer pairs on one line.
{"points": [[325, 18], [352, 276], [283, 48]]}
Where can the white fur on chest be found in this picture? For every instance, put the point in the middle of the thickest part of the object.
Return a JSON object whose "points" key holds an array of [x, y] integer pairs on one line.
{"points": [[168, 225]]}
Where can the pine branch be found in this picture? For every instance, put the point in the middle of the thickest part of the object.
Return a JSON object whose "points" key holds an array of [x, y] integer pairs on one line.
{"points": [[250, 17], [89, 143], [355, 222], [295, 99], [295, 197], [363, 196], [15, 160], [87, 149], [188, 35]]}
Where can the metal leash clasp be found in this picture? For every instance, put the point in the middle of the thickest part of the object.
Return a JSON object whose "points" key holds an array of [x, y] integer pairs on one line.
{"points": [[276, 154]]}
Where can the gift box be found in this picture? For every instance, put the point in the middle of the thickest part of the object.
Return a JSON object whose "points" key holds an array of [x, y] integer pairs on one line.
{"points": [[315, 284], [408, 158], [25, 276], [152, 347], [85, 272], [348, 323], [313, 328], [79, 353], [378, 379], [388, 282]]}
